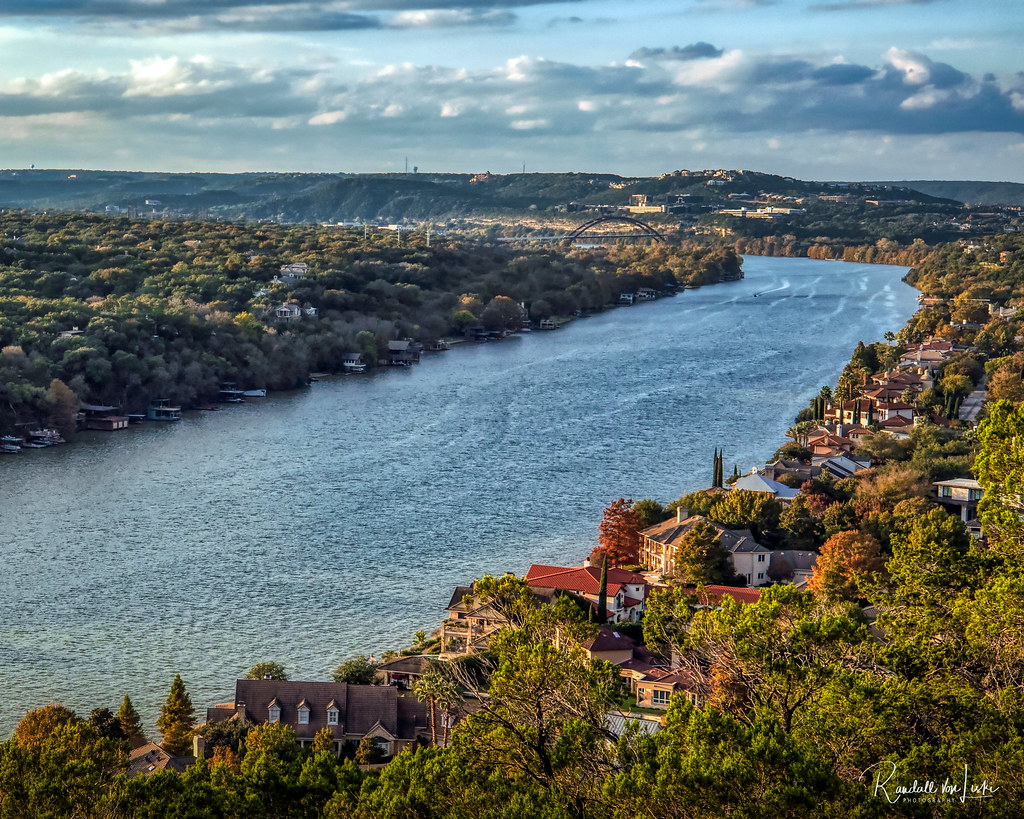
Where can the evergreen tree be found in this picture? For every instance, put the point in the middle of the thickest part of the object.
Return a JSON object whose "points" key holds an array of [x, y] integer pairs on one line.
{"points": [[176, 719], [131, 722], [602, 596]]}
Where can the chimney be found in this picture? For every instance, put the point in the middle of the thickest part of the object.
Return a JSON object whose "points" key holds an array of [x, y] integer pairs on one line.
{"points": [[682, 513], [198, 747], [840, 430]]}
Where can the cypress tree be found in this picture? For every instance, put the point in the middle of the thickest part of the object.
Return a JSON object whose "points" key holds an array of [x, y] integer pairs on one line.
{"points": [[131, 722], [176, 719], [602, 596]]}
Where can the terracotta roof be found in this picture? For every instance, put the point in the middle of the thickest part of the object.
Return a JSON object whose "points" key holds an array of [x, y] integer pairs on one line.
{"points": [[582, 579], [896, 421]]}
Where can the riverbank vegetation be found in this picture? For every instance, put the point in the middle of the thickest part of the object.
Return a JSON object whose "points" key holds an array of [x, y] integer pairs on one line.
{"points": [[118, 312]]}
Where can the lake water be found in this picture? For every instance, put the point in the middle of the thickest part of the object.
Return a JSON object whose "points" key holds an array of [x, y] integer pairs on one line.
{"points": [[311, 526]]}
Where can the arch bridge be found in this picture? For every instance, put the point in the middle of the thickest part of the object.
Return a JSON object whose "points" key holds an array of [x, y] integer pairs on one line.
{"points": [[647, 232]]}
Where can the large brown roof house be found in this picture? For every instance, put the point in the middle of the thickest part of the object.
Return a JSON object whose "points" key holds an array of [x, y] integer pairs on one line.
{"points": [[350, 712]]}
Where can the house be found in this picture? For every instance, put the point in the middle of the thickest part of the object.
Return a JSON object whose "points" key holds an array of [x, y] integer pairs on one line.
{"points": [[149, 758], [547, 324], [610, 645], [472, 620], [403, 351], [828, 444], [858, 434], [288, 312], [845, 465], [659, 544], [897, 426], [103, 418], [960, 494], [626, 590], [793, 566], [776, 470], [349, 712], [857, 411], [404, 671], [656, 688], [759, 483], [291, 273], [894, 409]]}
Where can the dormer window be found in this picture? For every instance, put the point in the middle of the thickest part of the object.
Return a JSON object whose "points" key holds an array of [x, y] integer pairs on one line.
{"points": [[303, 711], [332, 716], [273, 711]]}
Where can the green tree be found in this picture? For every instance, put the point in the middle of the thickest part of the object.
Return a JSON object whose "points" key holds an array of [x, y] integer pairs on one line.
{"points": [[358, 670], [700, 557], [131, 722], [266, 670], [742, 509], [650, 512], [176, 719]]}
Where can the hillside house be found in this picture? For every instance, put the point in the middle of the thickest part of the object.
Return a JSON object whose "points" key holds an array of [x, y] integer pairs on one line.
{"points": [[349, 712], [627, 591], [660, 543]]}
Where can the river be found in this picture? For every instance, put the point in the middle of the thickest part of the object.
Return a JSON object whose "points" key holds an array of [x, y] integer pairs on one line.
{"points": [[311, 526]]}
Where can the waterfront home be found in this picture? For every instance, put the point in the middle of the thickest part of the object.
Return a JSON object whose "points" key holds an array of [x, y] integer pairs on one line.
{"points": [[353, 363], [160, 409], [470, 623], [626, 590], [103, 418], [660, 543], [960, 495], [856, 411], [350, 712], [403, 352], [766, 486], [894, 409]]}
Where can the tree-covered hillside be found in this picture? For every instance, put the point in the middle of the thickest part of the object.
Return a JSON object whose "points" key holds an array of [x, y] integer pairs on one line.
{"points": [[122, 311]]}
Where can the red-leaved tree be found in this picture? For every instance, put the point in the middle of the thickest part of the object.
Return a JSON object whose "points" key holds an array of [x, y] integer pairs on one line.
{"points": [[620, 535]]}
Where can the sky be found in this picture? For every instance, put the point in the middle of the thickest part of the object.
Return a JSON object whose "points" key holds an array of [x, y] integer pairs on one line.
{"points": [[817, 89]]}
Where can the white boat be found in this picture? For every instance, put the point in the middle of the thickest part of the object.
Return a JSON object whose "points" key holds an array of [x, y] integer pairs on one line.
{"points": [[255, 393], [10, 448]]}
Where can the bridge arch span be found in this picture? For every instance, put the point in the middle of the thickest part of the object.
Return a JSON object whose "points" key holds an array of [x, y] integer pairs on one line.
{"points": [[648, 231]]}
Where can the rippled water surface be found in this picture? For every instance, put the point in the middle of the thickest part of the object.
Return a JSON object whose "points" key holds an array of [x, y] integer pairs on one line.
{"points": [[310, 526]]}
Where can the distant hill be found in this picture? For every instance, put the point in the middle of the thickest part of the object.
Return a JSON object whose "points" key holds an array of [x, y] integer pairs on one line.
{"points": [[970, 193], [396, 197]]}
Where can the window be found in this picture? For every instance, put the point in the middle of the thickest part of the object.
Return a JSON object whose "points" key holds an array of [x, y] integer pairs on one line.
{"points": [[660, 696], [273, 714], [332, 716], [760, 575], [760, 558], [303, 716]]}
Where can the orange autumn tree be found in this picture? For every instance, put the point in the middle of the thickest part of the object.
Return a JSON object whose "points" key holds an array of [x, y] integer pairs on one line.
{"points": [[844, 558], [620, 535]]}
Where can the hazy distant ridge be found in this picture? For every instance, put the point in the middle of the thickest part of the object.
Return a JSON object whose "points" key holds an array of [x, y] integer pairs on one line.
{"points": [[970, 193]]}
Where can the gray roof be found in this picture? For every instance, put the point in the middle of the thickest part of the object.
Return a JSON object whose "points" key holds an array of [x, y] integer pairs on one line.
{"points": [[671, 533], [759, 483]]}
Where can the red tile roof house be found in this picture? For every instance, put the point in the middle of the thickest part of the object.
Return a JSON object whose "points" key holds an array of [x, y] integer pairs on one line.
{"points": [[350, 712], [626, 590]]}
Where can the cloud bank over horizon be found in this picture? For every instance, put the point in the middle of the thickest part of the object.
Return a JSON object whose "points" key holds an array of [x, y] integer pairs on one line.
{"points": [[360, 84]]}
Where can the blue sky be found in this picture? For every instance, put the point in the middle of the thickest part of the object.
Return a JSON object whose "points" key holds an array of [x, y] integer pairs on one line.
{"points": [[822, 89]]}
